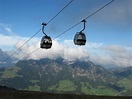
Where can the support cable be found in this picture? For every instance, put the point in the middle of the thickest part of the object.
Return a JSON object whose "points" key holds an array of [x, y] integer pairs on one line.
{"points": [[75, 24], [85, 18], [60, 11], [36, 33]]}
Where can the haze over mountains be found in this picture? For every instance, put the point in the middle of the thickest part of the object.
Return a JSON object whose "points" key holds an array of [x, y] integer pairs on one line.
{"points": [[4, 55], [61, 76]]}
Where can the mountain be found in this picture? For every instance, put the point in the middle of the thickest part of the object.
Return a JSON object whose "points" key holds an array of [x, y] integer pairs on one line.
{"points": [[61, 76], [124, 72], [125, 79]]}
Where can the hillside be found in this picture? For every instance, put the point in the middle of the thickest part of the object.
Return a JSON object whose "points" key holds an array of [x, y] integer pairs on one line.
{"points": [[60, 76]]}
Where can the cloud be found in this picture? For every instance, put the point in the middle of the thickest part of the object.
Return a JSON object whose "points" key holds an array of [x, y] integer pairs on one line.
{"points": [[10, 44], [105, 55], [120, 55], [6, 29], [58, 50], [8, 40], [11, 41], [112, 55]]}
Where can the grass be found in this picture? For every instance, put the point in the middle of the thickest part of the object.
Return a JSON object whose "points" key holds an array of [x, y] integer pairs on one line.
{"points": [[10, 72], [105, 91], [66, 85], [53, 87], [63, 85], [101, 90], [125, 83], [86, 87], [34, 88]]}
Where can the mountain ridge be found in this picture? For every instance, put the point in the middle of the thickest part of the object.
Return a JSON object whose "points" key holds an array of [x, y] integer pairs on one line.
{"points": [[58, 75]]}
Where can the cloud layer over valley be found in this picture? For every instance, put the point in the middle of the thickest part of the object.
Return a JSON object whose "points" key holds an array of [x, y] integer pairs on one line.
{"points": [[99, 53]]}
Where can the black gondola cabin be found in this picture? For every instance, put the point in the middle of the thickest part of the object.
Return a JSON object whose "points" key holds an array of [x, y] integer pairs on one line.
{"points": [[79, 39], [46, 42]]}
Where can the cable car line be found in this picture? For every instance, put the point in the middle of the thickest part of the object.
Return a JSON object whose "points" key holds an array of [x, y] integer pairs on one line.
{"points": [[85, 18], [30, 53], [46, 41], [20, 47], [36, 32], [60, 11], [99, 9], [76, 24], [67, 30]]}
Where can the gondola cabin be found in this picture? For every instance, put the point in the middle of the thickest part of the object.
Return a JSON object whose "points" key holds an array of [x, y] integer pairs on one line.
{"points": [[46, 42], [79, 39]]}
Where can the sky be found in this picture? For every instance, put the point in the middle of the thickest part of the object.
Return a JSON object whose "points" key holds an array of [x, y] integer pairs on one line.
{"points": [[108, 32]]}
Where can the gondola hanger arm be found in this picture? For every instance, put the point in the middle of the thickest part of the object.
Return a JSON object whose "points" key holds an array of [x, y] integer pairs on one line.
{"points": [[43, 25], [84, 21]]}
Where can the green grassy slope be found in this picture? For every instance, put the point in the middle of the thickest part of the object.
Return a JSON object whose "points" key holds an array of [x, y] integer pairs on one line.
{"points": [[101, 90], [63, 85], [10, 72]]}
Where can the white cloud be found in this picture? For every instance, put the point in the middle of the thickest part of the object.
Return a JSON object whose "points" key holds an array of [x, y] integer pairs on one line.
{"points": [[11, 41], [8, 40], [6, 29], [96, 52], [8, 43], [113, 55], [58, 50]]}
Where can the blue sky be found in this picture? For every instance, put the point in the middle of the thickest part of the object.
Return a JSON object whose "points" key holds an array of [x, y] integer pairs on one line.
{"points": [[112, 26], [24, 18]]}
